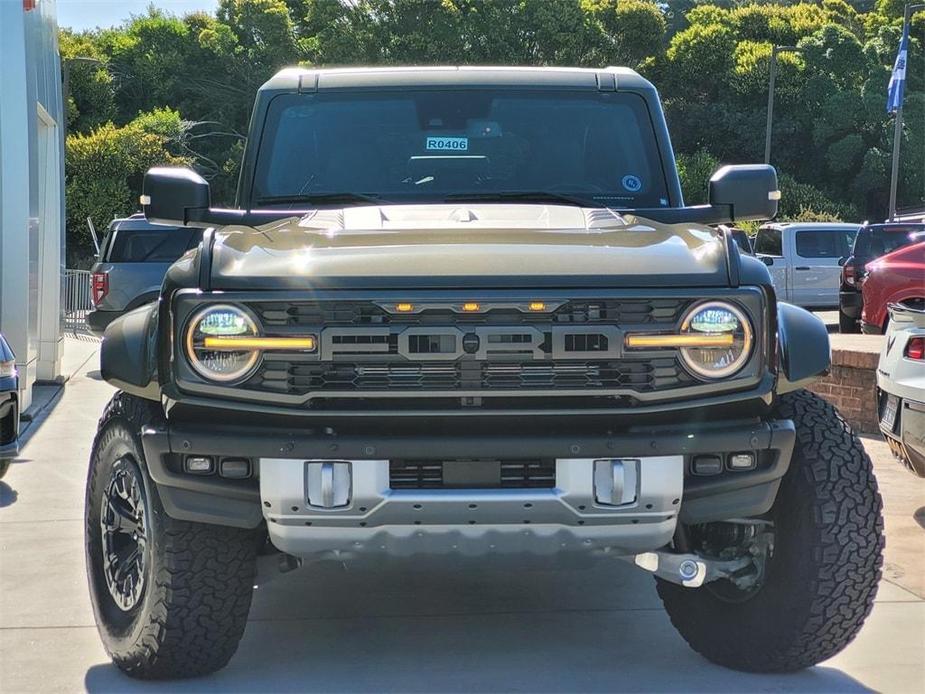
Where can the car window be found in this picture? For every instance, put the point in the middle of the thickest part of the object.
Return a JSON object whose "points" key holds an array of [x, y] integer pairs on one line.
{"points": [[195, 239], [742, 240], [875, 241], [768, 242], [106, 244], [149, 246], [824, 243], [422, 145]]}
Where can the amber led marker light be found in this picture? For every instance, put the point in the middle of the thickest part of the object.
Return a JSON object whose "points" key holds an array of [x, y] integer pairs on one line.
{"points": [[236, 343], [679, 340]]}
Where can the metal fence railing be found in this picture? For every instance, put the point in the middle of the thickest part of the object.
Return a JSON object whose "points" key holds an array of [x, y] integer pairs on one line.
{"points": [[76, 301]]}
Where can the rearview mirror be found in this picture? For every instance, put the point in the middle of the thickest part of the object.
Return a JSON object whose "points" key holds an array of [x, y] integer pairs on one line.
{"points": [[181, 197], [748, 190], [767, 260], [174, 195]]}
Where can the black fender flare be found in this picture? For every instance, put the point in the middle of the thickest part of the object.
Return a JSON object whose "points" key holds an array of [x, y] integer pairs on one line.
{"points": [[804, 352], [128, 354]]}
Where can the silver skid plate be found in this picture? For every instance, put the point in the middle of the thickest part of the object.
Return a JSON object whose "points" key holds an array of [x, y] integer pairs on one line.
{"points": [[594, 506]]}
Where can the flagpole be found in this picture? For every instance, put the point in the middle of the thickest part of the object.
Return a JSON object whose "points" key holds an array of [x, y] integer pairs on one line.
{"points": [[898, 125], [894, 176]]}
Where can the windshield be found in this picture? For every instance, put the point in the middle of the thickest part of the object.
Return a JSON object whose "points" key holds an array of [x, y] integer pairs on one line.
{"points": [[875, 241], [152, 246], [433, 146]]}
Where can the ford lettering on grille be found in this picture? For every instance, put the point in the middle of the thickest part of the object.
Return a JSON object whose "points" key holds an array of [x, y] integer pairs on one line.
{"points": [[448, 343]]}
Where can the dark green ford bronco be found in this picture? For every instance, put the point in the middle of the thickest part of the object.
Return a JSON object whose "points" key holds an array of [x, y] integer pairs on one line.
{"points": [[466, 310]]}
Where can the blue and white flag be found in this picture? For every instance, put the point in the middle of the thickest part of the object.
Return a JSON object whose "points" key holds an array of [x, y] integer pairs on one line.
{"points": [[897, 86]]}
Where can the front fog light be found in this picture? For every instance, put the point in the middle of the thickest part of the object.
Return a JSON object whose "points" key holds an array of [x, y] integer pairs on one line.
{"points": [[741, 461], [733, 335], [225, 363], [198, 465]]}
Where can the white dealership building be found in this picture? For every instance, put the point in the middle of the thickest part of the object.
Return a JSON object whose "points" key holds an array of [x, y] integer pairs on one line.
{"points": [[31, 189]]}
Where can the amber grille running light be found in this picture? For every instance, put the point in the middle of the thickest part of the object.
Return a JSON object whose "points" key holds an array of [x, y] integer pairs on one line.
{"points": [[235, 343], [658, 341]]}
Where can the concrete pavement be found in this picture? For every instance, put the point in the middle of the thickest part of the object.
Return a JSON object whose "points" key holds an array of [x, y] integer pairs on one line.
{"points": [[448, 625]]}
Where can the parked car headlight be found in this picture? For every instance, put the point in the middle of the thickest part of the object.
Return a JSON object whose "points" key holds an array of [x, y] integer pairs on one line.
{"points": [[210, 343], [730, 325]]}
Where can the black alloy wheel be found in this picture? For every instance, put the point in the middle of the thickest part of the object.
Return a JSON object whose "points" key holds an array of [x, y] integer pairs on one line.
{"points": [[123, 527]]}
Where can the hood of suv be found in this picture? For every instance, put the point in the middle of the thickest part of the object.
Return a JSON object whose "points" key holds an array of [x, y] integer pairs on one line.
{"points": [[494, 244]]}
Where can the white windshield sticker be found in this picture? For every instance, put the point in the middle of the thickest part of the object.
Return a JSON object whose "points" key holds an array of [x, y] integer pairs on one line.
{"points": [[447, 144]]}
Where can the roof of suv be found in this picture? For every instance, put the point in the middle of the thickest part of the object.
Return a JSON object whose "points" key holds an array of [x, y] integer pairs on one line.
{"points": [[137, 222], [308, 80], [812, 225]]}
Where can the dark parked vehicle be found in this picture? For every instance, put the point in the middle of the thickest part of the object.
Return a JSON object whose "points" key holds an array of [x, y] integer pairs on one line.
{"points": [[9, 406], [740, 237], [134, 256], [872, 242], [466, 311]]}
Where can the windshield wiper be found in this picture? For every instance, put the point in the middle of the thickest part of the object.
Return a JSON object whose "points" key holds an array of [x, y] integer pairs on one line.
{"points": [[524, 196], [320, 199]]}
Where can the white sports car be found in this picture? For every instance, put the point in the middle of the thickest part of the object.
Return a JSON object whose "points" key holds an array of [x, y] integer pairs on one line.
{"points": [[901, 386]]}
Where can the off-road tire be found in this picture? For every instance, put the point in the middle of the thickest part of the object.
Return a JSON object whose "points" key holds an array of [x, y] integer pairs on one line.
{"points": [[846, 324], [823, 574], [199, 578]]}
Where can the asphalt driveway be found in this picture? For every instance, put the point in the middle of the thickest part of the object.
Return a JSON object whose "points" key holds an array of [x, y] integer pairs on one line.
{"points": [[410, 625]]}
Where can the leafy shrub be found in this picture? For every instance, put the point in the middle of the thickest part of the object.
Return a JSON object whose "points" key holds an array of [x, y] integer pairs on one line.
{"points": [[104, 170], [695, 171]]}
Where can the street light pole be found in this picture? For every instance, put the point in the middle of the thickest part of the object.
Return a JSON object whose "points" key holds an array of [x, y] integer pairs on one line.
{"points": [[771, 81], [898, 125]]}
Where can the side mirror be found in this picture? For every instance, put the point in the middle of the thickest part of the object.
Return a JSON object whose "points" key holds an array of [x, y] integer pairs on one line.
{"points": [[767, 260], [842, 261], [170, 194], [749, 191]]}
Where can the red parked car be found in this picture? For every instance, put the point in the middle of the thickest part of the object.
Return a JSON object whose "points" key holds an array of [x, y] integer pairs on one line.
{"points": [[896, 278]]}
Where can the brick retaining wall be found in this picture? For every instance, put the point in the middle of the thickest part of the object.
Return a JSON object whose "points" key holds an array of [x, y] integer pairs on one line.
{"points": [[852, 383]]}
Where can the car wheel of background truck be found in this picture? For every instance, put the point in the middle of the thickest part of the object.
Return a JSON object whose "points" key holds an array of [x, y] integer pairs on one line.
{"points": [[847, 324], [170, 597], [819, 580]]}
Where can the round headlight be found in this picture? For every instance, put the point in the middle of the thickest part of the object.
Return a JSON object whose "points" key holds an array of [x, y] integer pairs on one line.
{"points": [[733, 335], [222, 364]]}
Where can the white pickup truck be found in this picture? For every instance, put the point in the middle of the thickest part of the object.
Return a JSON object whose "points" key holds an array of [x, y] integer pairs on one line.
{"points": [[805, 259]]}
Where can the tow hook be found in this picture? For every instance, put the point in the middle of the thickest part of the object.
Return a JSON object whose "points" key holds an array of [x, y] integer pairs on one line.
{"points": [[689, 570]]}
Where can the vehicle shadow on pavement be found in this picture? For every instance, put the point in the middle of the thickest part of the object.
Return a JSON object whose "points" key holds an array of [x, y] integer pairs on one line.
{"points": [[8, 495], [460, 626], [45, 399]]}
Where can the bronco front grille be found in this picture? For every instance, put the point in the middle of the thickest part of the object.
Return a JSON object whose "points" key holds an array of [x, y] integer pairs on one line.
{"points": [[295, 314], [300, 378], [435, 349]]}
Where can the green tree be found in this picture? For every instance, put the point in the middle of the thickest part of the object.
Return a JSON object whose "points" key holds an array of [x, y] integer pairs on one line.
{"points": [[710, 60], [104, 170], [91, 97]]}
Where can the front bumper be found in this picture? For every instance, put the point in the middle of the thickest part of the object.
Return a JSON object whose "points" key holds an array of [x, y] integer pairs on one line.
{"points": [[379, 518], [906, 438], [9, 425]]}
